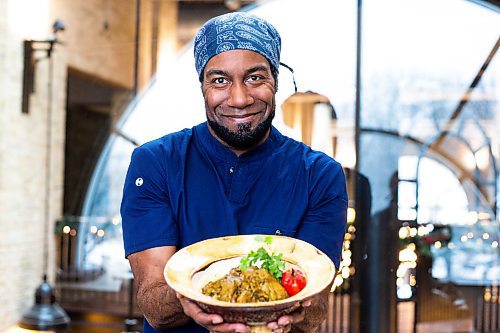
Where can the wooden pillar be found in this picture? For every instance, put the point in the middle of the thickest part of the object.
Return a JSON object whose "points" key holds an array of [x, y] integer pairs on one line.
{"points": [[167, 34]]}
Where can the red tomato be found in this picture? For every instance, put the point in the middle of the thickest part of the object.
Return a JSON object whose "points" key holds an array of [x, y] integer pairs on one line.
{"points": [[293, 280]]}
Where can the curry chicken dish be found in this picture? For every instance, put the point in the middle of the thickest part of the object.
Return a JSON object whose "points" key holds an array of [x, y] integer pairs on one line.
{"points": [[253, 284]]}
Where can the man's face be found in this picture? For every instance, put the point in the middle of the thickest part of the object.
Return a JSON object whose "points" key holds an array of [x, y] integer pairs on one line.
{"points": [[239, 91]]}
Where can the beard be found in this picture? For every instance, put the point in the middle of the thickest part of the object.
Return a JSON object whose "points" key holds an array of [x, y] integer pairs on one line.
{"points": [[244, 137]]}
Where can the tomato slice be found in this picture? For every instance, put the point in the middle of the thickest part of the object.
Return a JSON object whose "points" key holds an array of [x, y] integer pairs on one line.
{"points": [[293, 280]]}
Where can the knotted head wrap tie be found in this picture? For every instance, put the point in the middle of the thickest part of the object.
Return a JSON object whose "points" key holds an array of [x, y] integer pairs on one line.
{"points": [[236, 31]]}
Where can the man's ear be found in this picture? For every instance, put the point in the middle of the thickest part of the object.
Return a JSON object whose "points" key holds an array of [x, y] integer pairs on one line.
{"points": [[275, 73], [202, 87], [202, 82]]}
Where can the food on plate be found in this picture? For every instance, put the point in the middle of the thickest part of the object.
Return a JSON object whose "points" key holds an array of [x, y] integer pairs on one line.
{"points": [[261, 277], [246, 286]]}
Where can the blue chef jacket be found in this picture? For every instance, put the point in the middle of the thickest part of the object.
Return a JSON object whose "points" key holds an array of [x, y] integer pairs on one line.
{"points": [[186, 187]]}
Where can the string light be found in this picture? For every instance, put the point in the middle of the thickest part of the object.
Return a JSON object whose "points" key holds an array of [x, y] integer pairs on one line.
{"points": [[345, 272], [345, 268], [116, 220], [351, 215], [407, 263], [472, 217], [487, 294], [422, 230], [404, 232], [413, 280], [338, 281]]}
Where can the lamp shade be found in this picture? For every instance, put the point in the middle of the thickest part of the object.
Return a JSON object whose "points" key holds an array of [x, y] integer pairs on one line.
{"points": [[45, 314]]}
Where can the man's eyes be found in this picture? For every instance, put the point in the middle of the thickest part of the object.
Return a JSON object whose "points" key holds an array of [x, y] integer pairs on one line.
{"points": [[250, 78], [219, 80], [254, 78]]}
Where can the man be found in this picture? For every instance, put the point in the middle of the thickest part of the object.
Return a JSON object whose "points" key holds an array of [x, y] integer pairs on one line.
{"points": [[234, 174]]}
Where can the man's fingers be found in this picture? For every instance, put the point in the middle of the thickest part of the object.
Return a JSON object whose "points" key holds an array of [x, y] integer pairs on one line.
{"points": [[285, 320], [295, 317], [231, 328], [216, 319], [278, 328], [307, 303], [213, 322], [194, 311], [280, 324], [272, 325], [284, 323]]}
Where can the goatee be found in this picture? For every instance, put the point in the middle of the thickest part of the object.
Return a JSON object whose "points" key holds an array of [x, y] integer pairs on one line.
{"points": [[244, 137]]}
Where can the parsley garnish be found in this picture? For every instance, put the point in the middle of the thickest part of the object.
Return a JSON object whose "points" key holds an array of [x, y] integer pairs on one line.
{"points": [[269, 260]]}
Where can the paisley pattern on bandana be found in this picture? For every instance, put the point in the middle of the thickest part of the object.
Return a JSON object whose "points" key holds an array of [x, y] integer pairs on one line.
{"points": [[249, 29], [232, 31], [226, 37], [224, 47]]}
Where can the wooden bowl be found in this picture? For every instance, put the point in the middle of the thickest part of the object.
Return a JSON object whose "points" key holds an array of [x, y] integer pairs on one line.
{"points": [[189, 269]]}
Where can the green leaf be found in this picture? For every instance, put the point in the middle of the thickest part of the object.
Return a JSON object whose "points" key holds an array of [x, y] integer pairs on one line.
{"points": [[271, 262]]}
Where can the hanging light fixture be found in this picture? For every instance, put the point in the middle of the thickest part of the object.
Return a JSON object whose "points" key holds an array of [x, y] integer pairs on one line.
{"points": [[46, 314]]}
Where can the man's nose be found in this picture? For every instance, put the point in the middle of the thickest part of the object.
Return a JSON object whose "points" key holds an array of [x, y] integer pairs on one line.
{"points": [[239, 96]]}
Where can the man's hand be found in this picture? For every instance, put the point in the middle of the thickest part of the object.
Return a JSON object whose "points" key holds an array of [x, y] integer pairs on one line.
{"points": [[307, 319], [212, 322], [284, 323], [155, 298]]}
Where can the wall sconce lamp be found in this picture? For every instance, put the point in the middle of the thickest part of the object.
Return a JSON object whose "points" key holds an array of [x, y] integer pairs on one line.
{"points": [[45, 314], [30, 47]]}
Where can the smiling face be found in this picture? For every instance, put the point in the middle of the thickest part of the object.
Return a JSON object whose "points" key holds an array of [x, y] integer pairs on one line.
{"points": [[239, 91]]}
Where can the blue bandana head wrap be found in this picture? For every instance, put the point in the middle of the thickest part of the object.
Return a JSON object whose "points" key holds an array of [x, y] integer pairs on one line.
{"points": [[233, 31]]}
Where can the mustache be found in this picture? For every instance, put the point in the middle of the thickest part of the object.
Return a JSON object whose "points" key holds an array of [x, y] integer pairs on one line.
{"points": [[244, 137]]}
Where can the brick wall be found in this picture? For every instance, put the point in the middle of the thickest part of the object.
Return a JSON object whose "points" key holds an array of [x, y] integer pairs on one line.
{"points": [[98, 42], [99, 36], [22, 164]]}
